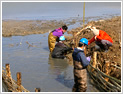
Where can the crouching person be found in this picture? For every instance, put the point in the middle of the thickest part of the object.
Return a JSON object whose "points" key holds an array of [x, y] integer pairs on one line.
{"points": [[102, 39], [80, 62], [60, 49]]}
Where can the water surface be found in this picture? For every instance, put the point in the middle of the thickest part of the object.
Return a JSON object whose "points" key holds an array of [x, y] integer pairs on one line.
{"points": [[37, 67]]}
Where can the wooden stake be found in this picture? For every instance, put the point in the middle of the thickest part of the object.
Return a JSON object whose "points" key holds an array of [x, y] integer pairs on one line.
{"points": [[85, 50], [37, 89], [107, 70], [19, 81], [94, 60], [8, 70]]}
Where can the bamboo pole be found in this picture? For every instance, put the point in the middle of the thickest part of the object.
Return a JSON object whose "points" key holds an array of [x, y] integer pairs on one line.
{"points": [[84, 14], [37, 89], [19, 81], [94, 60]]}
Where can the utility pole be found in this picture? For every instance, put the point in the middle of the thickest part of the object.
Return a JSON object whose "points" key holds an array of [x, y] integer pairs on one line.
{"points": [[83, 14]]}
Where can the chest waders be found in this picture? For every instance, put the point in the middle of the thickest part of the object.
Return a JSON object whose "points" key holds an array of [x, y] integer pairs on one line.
{"points": [[51, 41], [80, 77]]}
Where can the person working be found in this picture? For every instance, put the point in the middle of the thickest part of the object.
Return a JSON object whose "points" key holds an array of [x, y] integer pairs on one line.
{"points": [[103, 40], [60, 49], [80, 62], [54, 35]]}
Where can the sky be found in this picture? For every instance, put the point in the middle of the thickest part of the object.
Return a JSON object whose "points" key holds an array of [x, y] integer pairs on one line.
{"points": [[35, 9]]}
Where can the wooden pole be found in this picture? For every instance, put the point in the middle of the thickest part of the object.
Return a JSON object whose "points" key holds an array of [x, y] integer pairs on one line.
{"points": [[84, 14], [19, 81], [94, 60], [8, 73], [85, 50], [74, 40], [37, 90], [107, 70]]}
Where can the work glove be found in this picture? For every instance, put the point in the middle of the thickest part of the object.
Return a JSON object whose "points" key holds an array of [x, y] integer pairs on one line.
{"points": [[88, 58]]}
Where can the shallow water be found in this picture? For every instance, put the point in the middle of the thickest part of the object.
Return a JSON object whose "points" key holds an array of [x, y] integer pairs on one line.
{"points": [[37, 68]]}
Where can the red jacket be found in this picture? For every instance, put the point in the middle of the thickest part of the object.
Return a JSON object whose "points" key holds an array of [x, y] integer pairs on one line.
{"points": [[102, 36]]}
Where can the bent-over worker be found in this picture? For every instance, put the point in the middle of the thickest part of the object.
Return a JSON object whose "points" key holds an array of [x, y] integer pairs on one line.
{"points": [[54, 36], [60, 49], [102, 39]]}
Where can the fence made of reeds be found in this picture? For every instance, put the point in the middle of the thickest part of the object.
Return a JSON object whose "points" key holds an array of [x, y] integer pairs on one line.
{"points": [[11, 84]]}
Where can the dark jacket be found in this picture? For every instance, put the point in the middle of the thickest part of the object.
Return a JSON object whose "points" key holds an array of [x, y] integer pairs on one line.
{"points": [[80, 74], [60, 50], [79, 56]]}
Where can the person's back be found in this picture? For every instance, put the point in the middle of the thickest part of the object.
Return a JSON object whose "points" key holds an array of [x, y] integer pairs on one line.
{"points": [[60, 49], [102, 39], [54, 35], [79, 57]]}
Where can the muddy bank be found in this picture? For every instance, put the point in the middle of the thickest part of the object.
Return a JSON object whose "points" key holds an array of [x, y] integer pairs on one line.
{"points": [[113, 28], [23, 27], [27, 27]]}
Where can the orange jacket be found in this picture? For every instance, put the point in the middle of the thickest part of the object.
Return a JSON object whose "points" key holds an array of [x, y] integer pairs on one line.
{"points": [[102, 36]]}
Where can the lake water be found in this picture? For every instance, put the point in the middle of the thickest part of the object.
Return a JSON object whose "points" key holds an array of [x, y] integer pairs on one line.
{"points": [[38, 69]]}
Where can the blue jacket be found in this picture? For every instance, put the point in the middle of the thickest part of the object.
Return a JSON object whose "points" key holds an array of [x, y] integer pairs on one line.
{"points": [[78, 55]]}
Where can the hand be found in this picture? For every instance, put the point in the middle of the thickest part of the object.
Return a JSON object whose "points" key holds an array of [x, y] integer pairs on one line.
{"points": [[88, 58], [73, 48]]}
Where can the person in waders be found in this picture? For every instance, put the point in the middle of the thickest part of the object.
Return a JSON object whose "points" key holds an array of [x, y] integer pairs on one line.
{"points": [[60, 49], [54, 36], [102, 39], [80, 62]]}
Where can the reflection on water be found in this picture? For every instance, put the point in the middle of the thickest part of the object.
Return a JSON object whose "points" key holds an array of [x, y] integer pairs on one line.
{"points": [[62, 70]]}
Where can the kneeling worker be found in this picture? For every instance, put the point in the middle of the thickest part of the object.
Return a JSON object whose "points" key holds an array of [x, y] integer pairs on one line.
{"points": [[60, 49], [80, 62]]}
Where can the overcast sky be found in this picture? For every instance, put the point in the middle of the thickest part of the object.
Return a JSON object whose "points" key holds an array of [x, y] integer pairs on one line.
{"points": [[36, 8]]}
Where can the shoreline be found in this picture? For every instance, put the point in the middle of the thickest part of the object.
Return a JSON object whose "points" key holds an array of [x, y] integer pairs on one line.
{"points": [[113, 28], [28, 27]]}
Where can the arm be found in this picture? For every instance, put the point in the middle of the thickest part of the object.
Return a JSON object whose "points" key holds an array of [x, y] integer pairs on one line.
{"points": [[98, 37], [67, 49], [92, 40], [83, 60]]}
